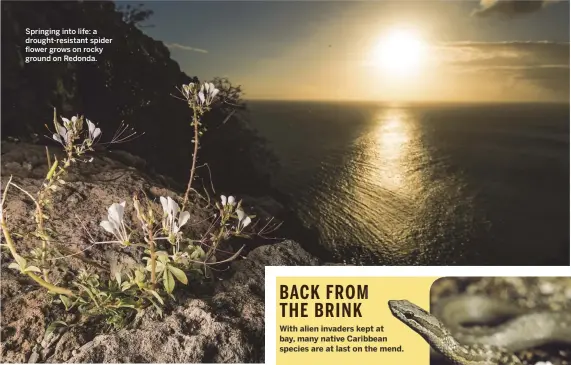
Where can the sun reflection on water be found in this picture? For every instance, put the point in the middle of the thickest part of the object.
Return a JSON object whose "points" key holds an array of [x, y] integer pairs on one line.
{"points": [[390, 152]]}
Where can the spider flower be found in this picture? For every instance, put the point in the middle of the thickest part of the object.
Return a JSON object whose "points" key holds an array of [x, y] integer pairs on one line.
{"points": [[173, 219], [114, 223], [207, 93], [92, 131], [231, 201], [74, 123], [243, 219], [188, 90], [64, 133]]}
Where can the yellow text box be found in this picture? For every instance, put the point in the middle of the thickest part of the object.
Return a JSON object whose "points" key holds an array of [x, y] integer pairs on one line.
{"points": [[346, 320]]}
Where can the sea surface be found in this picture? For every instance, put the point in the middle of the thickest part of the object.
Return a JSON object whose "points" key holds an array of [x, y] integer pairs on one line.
{"points": [[426, 184]]}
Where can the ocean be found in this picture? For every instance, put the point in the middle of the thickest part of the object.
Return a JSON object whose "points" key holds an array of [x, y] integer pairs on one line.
{"points": [[450, 184]]}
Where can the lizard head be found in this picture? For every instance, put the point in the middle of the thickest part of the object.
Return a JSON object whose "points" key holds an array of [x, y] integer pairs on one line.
{"points": [[419, 320]]}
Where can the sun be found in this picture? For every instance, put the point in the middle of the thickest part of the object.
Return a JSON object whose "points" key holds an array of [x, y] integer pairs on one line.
{"points": [[400, 52]]}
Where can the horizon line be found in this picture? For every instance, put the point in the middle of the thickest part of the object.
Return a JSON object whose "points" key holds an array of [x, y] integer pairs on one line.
{"points": [[413, 101]]}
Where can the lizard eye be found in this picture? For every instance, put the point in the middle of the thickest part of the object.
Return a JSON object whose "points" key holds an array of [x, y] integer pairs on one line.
{"points": [[408, 314]]}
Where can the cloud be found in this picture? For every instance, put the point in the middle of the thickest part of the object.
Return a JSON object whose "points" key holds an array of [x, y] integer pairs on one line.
{"points": [[543, 64], [185, 48], [517, 53], [510, 7]]}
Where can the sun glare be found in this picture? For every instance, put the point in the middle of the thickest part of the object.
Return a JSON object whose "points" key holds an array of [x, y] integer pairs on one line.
{"points": [[400, 52]]}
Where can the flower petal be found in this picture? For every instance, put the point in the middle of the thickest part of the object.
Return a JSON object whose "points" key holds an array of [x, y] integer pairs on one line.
{"points": [[115, 213], [185, 91], [223, 198], [240, 214], [66, 122], [246, 221], [107, 226], [90, 126], [173, 206], [93, 131], [183, 218], [164, 204], [61, 130], [231, 200]]}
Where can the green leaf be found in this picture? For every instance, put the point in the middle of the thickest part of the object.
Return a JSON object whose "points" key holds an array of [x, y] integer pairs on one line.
{"points": [[163, 259], [15, 266], [66, 302], [156, 295], [52, 170], [197, 253], [125, 304], [159, 267], [179, 274], [53, 326], [126, 286], [161, 253], [22, 263], [159, 309], [130, 303], [32, 268], [168, 282], [118, 277]]}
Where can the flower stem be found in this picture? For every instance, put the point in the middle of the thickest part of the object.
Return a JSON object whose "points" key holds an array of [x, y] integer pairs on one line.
{"points": [[153, 260], [50, 287], [195, 121]]}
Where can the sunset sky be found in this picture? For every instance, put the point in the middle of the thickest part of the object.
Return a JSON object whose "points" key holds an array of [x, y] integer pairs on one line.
{"points": [[374, 50]]}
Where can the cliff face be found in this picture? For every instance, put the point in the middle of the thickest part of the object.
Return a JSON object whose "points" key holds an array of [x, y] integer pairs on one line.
{"points": [[211, 321]]}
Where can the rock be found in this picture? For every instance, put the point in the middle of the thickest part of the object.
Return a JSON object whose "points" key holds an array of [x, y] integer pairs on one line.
{"points": [[265, 206], [128, 159]]}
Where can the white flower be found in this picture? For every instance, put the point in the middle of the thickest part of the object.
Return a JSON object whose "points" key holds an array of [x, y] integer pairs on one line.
{"points": [[173, 221], [243, 219], [187, 90], [64, 133], [207, 93], [93, 132], [231, 201], [69, 124], [115, 224], [543, 363], [200, 98]]}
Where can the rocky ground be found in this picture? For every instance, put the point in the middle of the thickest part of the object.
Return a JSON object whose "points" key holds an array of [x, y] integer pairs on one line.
{"points": [[532, 293], [212, 321]]}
